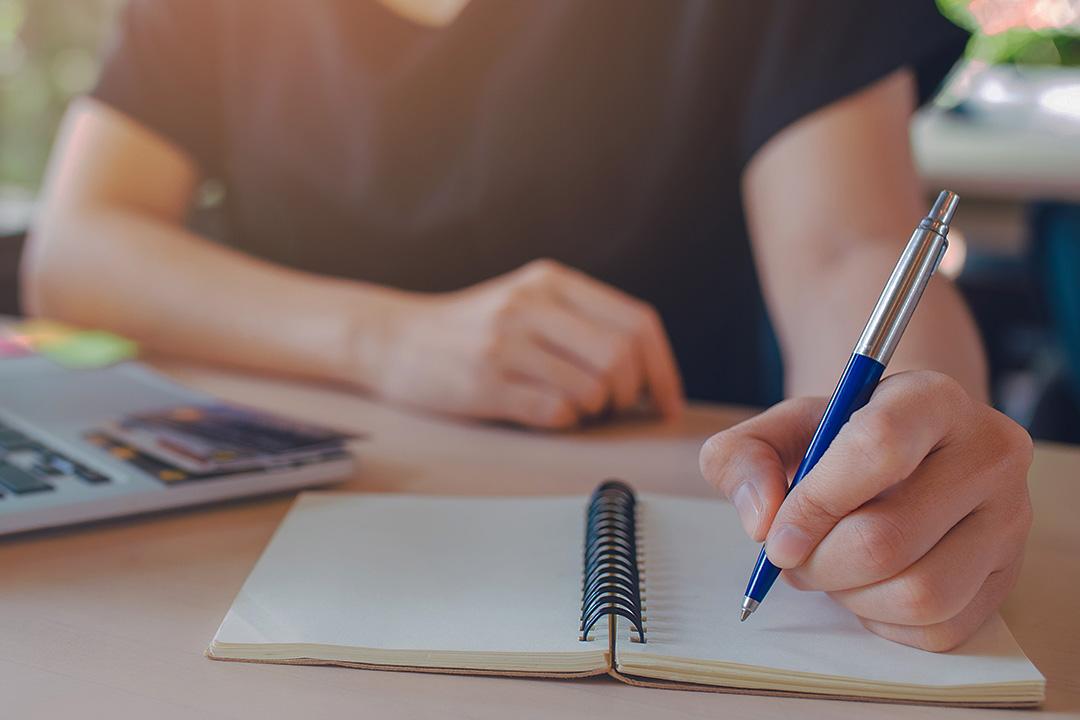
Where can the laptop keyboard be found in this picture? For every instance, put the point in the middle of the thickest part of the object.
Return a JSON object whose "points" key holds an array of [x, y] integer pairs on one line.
{"points": [[28, 466]]}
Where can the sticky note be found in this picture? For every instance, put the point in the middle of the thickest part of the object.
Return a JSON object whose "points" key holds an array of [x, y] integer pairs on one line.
{"points": [[89, 349], [39, 331], [12, 348], [70, 346]]}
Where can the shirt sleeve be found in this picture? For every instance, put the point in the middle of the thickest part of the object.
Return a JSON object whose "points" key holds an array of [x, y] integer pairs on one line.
{"points": [[811, 54], [161, 70]]}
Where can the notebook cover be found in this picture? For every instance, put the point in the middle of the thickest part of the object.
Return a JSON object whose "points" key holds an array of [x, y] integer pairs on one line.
{"points": [[408, 668], [627, 679], [672, 685]]}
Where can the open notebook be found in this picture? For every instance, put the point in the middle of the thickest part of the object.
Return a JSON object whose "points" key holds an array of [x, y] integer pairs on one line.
{"points": [[496, 585]]}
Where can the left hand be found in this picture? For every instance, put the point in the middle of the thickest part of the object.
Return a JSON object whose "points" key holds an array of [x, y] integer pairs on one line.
{"points": [[914, 519]]}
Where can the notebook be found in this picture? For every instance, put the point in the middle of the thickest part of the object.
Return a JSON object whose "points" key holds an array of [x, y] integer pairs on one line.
{"points": [[644, 589]]}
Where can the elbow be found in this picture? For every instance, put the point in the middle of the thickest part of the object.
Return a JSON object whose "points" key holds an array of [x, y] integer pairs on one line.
{"points": [[45, 288], [36, 293]]}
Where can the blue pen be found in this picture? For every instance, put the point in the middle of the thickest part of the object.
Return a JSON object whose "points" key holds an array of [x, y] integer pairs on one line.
{"points": [[882, 333]]}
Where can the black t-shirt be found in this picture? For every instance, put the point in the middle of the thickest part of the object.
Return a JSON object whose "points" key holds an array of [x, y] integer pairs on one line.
{"points": [[607, 134]]}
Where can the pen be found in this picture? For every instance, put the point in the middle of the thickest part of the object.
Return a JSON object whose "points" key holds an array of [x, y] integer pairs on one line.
{"points": [[872, 353]]}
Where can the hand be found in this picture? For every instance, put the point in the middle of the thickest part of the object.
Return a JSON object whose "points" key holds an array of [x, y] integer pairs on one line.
{"points": [[914, 519], [544, 346]]}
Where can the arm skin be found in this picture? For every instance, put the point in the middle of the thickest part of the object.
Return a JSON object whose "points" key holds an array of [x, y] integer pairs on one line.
{"points": [[834, 233], [543, 346], [108, 249]]}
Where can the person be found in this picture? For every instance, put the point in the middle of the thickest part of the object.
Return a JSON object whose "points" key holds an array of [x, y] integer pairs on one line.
{"points": [[546, 212]]}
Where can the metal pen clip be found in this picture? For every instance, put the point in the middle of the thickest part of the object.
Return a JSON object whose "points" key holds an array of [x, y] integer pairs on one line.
{"points": [[908, 280]]}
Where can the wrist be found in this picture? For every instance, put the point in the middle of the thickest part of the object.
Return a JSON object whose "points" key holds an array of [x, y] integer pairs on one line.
{"points": [[370, 330]]}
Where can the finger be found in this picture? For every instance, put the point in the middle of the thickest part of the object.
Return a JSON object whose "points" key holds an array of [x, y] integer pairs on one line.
{"points": [[627, 379], [527, 404], [907, 417], [661, 371], [750, 463], [535, 362], [624, 379], [610, 306], [944, 636], [945, 580], [890, 532], [604, 352]]}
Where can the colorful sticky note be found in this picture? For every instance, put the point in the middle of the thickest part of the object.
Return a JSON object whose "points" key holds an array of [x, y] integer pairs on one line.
{"points": [[89, 349], [39, 331], [73, 347], [12, 348]]}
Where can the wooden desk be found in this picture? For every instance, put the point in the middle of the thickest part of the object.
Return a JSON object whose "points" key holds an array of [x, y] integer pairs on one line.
{"points": [[111, 620]]}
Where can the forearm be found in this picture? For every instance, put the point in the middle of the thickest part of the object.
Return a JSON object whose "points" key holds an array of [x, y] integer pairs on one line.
{"points": [[180, 294], [818, 332]]}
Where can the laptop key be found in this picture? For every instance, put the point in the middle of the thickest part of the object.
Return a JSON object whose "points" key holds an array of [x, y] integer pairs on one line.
{"points": [[45, 467], [56, 464], [61, 465], [19, 481], [87, 475], [13, 440]]}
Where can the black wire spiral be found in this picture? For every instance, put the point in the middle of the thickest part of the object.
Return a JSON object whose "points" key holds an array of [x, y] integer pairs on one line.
{"points": [[611, 583]]}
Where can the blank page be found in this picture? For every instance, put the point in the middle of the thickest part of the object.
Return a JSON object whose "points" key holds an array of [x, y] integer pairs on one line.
{"points": [[417, 576], [697, 561]]}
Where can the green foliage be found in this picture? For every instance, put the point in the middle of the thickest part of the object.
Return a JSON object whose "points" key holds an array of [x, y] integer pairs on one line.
{"points": [[49, 52], [1019, 45]]}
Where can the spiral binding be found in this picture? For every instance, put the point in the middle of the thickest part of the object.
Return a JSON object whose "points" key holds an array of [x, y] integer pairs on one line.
{"points": [[611, 578]]}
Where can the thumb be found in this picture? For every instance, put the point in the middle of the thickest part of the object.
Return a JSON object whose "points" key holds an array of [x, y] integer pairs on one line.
{"points": [[751, 462]]}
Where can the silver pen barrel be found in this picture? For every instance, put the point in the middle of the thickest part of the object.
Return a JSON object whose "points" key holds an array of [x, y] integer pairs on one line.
{"points": [[908, 280]]}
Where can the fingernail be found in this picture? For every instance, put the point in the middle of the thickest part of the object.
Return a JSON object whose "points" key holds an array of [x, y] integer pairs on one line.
{"points": [[788, 546], [747, 501]]}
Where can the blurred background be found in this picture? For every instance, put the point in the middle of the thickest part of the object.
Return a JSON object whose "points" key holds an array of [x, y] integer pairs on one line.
{"points": [[1004, 133]]}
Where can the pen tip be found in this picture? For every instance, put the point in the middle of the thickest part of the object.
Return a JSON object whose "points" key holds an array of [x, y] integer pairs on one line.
{"points": [[749, 605]]}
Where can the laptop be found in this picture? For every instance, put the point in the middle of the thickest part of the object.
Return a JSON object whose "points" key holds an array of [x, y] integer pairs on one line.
{"points": [[81, 445]]}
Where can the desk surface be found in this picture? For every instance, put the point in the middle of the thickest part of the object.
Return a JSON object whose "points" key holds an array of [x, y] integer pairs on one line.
{"points": [[111, 620]]}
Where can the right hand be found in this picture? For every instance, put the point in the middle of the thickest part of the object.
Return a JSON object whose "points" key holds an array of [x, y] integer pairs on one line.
{"points": [[543, 346]]}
